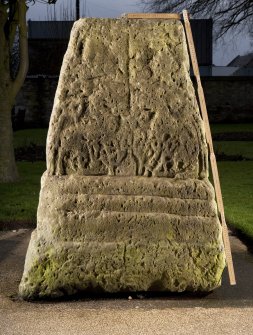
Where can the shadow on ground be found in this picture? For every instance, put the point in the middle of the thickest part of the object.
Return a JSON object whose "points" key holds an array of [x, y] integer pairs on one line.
{"points": [[13, 246]]}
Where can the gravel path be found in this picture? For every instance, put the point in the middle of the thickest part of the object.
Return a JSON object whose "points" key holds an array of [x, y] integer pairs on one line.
{"points": [[228, 310]]}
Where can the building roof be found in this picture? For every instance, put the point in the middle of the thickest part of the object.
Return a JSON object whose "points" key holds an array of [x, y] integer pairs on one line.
{"points": [[202, 30], [49, 29], [242, 61], [48, 42]]}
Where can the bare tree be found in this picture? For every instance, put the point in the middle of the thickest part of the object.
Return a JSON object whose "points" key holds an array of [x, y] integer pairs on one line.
{"points": [[77, 9], [67, 12], [12, 20], [227, 14]]}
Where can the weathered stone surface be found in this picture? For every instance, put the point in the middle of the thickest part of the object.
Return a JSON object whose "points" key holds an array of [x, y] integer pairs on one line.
{"points": [[125, 203], [125, 104]]}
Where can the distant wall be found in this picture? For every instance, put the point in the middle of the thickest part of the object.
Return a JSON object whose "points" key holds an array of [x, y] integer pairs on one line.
{"points": [[37, 96], [46, 55], [229, 99]]}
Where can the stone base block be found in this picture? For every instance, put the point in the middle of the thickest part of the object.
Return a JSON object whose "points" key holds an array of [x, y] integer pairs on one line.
{"points": [[123, 234]]}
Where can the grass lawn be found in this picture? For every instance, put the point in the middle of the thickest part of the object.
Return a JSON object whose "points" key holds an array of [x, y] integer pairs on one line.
{"points": [[25, 137], [244, 148], [237, 189], [231, 127], [19, 201], [38, 136]]}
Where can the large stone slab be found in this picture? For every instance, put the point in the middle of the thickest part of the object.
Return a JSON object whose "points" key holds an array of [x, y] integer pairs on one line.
{"points": [[125, 203], [125, 104]]}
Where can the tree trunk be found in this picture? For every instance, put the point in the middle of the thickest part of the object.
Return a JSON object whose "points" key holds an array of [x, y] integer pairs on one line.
{"points": [[8, 87], [8, 170]]}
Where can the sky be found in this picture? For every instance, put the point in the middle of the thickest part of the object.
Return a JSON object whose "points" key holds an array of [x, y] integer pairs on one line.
{"points": [[223, 52]]}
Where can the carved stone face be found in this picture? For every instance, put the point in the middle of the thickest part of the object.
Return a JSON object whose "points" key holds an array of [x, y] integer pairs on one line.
{"points": [[125, 104], [125, 203]]}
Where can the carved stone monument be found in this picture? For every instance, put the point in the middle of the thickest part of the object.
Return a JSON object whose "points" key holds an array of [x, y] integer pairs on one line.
{"points": [[125, 203]]}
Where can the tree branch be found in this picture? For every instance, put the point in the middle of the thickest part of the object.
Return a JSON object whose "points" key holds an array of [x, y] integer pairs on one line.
{"points": [[13, 24], [3, 20], [3, 7], [23, 45], [225, 13]]}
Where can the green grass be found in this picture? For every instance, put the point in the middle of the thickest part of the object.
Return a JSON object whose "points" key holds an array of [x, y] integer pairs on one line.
{"points": [[38, 136], [25, 137], [237, 189], [19, 201], [244, 148], [231, 127]]}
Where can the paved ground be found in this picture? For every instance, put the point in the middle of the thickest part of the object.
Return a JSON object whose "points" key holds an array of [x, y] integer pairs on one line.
{"points": [[228, 310]]}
